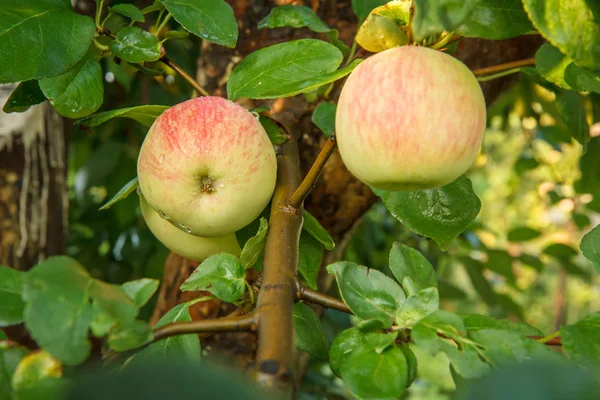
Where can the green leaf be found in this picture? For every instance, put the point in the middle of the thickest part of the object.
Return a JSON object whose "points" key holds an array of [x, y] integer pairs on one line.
{"points": [[10, 357], [496, 20], [125, 191], [560, 251], [570, 25], [466, 359], [324, 117], [286, 69], [130, 336], [78, 92], [174, 347], [582, 79], [177, 35], [276, 132], [221, 274], [372, 375], [362, 8], [128, 10], [145, 115], [310, 336], [435, 16], [590, 247], [368, 293], [309, 260], [35, 367], [417, 306], [141, 290], [211, 20], [254, 246], [589, 164], [571, 109], [312, 226], [408, 262], [381, 341], [580, 342], [476, 322], [411, 361], [25, 95], [295, 16], [522, 234], [481, 285], [550, 63], [500, 262], [62, 301], [385, 27], [134, 45], [441, 214], [11, 304], [41, 38], [343, 345]]}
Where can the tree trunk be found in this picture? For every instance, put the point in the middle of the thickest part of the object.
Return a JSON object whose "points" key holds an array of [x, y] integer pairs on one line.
{"points": [[33, 188], [339, 200]]}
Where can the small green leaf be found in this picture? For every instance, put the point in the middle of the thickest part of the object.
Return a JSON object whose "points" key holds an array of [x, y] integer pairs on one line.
{"points": [[580, 341], [125, 191], [62, 302], [476, 322], [78, 92], [309, 261], [523, 234], [380, 342], [312, 226], [368, 293], [582, 79], [496, 20], [221, 274], [254, 246], [441, 214], [177, 35], [35, 367], [550, 63], [41, 38], [408, 262], [372, 375], [128, 10], [571, 109], [11, 303], [10, 356], [211, 20], [362, 8], [25, 95], [417, 306], [141, 290], [130, 336], [560, 251], [134, 45], [500, 262], [324, 117], [570, 25], [435, 16], [343, 345], [590, 247], [481, 285], [287, 69], [411, 362], [145, 115], [276, 132], [310, 336]]}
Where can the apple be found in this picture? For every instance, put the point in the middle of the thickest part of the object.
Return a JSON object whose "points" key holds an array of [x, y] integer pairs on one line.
{"points": [[207, 166], [189, 246], [410, 118]]}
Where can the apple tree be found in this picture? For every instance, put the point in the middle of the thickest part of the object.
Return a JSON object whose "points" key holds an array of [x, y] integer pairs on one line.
{"points": [[300, 162]]}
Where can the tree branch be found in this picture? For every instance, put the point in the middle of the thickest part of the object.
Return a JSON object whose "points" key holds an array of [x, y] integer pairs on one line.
{"points": [[323, 300], [313, 174], [228, 324], [503, 67]]}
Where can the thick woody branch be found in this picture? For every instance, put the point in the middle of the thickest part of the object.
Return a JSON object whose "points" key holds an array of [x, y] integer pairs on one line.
{"points": [[276, 354], [313, 174], [233, 324]]}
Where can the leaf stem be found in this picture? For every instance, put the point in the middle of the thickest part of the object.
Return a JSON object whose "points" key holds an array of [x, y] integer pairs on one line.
{"points": [[187, 77], [351, 54], [446, 40], [160, 14], [99, 6], [162, 25], [313, 174], [504, 67], [498, 75]]}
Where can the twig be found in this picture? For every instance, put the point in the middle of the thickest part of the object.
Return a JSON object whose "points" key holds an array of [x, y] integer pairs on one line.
{"points": [[188, 78], [276, 354], [318, 298], [234, 324], [498, 75], [555, 341], [503, 67], [313, 174]]}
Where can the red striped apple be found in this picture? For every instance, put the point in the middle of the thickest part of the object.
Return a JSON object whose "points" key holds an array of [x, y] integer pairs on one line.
{"points": [[207, 166], [410, 118], [189, 246]]}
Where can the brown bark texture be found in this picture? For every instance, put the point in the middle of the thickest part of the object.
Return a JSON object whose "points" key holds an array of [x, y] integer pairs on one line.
{"points": [[339, 200]]}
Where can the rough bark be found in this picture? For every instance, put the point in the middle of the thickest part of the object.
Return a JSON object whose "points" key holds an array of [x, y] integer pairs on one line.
{"points": [[33, 188], [339, 200]]}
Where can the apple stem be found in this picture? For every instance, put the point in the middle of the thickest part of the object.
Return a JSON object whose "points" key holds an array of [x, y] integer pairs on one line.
{"points": [[313, 174], [503, 67]]}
